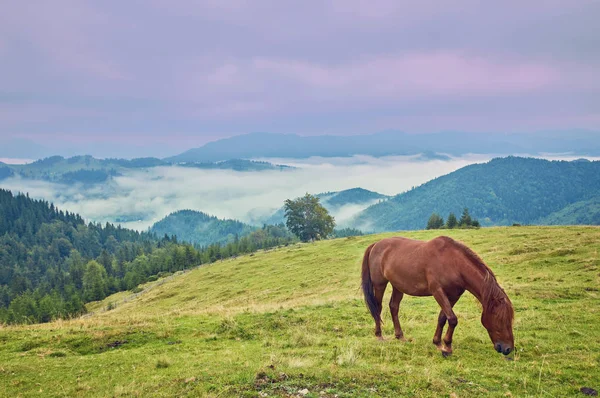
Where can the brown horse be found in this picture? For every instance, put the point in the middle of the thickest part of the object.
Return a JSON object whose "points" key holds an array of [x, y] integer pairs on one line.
{"points": [[442, 268]]}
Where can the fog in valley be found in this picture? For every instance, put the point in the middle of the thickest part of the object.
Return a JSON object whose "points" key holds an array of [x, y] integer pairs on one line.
{"points": [[139, 198]]}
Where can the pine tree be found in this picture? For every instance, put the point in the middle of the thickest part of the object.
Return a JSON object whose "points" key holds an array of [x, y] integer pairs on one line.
{"points": [[465, 219], [435, 221], [452, 222]]}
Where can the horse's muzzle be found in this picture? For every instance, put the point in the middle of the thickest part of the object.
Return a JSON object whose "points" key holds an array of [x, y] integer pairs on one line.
{"points": [[504, 349]]}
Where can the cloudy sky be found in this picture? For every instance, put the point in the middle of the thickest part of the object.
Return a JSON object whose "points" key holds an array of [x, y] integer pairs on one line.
{"points": [[164, 76]]}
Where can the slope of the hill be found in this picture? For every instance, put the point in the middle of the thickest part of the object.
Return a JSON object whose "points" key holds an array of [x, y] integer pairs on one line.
{"points": [[281, 322], [585, 212], [501, 192], [200, 228]]}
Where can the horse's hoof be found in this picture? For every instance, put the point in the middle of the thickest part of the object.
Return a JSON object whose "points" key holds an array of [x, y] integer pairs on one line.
{"points": [[380, 338], [401, 338], [446, 354]]}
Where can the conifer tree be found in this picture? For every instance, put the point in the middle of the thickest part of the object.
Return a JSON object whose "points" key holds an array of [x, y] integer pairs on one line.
{"points": [[435, 221], [452, 222]]}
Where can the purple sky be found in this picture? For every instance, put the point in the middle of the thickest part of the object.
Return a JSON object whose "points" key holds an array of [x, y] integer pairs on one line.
{"points": [[169, 75]]}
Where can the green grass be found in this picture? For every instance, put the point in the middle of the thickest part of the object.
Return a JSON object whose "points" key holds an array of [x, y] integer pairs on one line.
{"points": [[278, 322]]}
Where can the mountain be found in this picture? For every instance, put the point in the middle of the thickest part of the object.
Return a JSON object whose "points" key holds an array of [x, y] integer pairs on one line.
{"points": [[388, 143], [501, 192], [342, 205], [200, 228]]}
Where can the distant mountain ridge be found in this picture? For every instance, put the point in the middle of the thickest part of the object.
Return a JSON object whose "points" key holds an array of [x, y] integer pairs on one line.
{"points": [[502, 191], [89, 170], [388, 143], [238, 165]]}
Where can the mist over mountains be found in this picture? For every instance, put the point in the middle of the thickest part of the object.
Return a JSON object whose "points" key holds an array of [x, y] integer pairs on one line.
{"points": [[278, 145], [379, 182], [392, 143], [137, 197]]}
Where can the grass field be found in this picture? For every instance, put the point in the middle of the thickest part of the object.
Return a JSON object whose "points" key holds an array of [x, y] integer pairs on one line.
{"points": [[291, 322]]}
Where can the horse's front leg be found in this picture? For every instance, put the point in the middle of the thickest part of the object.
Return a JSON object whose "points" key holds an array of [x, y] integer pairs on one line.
{"points": [[446, 314]]}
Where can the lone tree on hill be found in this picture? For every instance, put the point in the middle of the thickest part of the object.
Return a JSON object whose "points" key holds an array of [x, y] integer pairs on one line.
{"points": [[308, 219], [435, 221]]}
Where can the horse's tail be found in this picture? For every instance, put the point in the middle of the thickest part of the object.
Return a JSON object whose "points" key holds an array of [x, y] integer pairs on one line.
{"points": [[367, 287]]}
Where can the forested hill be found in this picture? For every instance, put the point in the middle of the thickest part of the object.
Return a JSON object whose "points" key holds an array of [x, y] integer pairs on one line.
{"points": [[585, 212], [500, 192], [200, 228], [353, 196], [335, 202], [52, 262], [45, 260]]}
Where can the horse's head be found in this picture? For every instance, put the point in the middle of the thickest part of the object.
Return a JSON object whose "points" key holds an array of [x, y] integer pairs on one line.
{"points": [[497, 318]]}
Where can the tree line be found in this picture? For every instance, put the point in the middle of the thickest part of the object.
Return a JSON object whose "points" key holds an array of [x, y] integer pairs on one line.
{"points": [[466, 221]]}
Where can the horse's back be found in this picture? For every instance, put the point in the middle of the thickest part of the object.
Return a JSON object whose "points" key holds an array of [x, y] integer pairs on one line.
{"points": [[409, 264]]}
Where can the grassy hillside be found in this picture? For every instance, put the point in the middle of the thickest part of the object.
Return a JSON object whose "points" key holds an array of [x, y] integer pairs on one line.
{"points": [[502, 191], [276, 323]]}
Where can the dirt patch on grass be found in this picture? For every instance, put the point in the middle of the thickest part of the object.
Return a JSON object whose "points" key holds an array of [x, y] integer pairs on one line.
{"points": [[86, 344]]}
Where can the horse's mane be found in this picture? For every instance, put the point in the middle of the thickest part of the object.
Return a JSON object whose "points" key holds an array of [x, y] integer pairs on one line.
{"points": [[493, 296]]}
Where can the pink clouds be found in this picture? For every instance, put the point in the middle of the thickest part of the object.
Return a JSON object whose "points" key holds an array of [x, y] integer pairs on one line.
{"points": [[422, 74], [306, 67]]}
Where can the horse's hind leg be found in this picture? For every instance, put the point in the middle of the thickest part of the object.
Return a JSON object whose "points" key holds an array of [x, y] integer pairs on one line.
{"points": [[394, 308], [437, 337], [379, 290]]}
